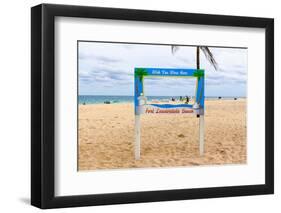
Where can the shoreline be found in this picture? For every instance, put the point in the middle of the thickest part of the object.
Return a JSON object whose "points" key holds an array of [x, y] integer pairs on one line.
{"points": [[116, 103]]}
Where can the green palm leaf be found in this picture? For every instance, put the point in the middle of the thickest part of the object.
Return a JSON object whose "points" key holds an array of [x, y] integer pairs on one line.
{"points": [[198, 73], [140, 72]]}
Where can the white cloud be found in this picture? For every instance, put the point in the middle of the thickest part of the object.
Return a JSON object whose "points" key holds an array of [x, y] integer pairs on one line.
{"points": [[107, 69]]}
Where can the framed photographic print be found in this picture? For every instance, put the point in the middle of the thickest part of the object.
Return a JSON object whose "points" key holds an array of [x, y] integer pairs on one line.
{"points": [[139, 106]]}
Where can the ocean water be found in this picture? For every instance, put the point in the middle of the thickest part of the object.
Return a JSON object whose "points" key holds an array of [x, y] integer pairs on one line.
{"points": [[100, 99]]}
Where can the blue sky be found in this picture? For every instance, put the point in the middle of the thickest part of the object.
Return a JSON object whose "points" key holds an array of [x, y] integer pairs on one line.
{"points": [[107, 69]]}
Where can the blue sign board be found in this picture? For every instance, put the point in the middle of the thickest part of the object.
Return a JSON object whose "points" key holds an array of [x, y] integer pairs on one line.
{"points": [[141, 105], [169, 72]]}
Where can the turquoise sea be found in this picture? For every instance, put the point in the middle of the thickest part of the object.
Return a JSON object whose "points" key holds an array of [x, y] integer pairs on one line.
{"points": [[100, 99]]}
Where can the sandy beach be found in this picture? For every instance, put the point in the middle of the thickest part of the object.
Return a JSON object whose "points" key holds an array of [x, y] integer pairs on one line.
{"points": [[106, 137]]}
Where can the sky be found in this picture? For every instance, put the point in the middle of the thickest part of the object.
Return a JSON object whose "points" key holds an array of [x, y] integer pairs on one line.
{"points": [[108, 69]]}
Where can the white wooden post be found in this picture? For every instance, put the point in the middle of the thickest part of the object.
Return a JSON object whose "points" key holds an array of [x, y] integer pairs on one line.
{"points": [[201, 134], [137, 137]]}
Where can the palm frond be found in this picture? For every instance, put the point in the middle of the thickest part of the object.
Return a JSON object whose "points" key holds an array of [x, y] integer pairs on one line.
{"points": [[174, 49], [210, 57]]}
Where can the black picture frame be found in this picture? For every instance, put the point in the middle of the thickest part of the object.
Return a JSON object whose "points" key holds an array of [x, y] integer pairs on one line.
{"points": [[43, 102]]}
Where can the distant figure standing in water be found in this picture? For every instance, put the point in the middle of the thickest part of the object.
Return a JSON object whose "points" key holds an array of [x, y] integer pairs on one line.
{"points": [[186, 99]]}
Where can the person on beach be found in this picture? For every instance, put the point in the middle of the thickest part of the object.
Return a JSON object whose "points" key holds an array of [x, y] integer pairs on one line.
{"points": [[186, 99]]}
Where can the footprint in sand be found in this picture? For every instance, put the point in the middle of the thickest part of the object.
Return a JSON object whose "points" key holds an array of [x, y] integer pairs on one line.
{"points": [[181, 136]]}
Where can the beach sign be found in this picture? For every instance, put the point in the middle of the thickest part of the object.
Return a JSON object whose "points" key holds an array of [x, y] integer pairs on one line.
{"points": [[142, 106]]}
